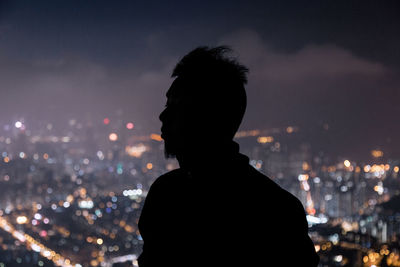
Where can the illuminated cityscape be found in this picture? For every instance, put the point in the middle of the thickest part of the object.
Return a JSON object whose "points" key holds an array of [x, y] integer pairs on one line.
{"points": [[74, 201], [82, 86]]}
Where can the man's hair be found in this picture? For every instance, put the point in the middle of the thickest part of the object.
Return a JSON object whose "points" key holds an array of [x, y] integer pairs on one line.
{"points": [[218, 80]]}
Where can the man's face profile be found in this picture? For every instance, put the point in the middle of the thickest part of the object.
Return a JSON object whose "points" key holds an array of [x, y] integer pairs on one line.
{"points": [[174, 118]]}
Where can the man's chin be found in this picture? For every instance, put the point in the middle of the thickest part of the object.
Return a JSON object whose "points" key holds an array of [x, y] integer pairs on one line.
{"points": [[169, 153]]}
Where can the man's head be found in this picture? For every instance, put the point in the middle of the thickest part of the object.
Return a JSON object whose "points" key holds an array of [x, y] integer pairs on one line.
{"points": [[205, 103]]}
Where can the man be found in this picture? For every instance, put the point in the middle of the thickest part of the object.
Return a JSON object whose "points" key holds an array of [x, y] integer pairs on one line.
{"points": [[216, 210]]}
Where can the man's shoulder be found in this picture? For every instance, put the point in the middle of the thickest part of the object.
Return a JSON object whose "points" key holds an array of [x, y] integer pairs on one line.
{"points": [[274, 192], [169, 178]]}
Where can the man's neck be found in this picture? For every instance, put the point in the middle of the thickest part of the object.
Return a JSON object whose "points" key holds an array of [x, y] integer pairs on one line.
{"points": [[208, 158]]}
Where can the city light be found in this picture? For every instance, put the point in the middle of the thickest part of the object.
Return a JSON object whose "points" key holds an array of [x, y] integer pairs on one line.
{"points": [[94, 186], [18, 124], [156, 137], [303, 177], [136, 151], [347, 163], [377, 153], [113, 137], [265, 139], [367, 168], [106, 121], [290, 129], [22, 219], [130, 125]]}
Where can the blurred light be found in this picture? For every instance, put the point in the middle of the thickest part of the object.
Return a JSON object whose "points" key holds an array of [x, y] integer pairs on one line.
{"points": [[265, 139], [22, 155], [377, 153], [289, 129], [247, 133], [305, 185], [38, 216], [303, 177], [338, 258], [135, 151], [22, 219], [99, 241], [387, 167], [85, 204], [379, 188], [35, 247], [65, 139], [132, 192], [130, 125], [100, 155], [347, 163], [6, 159], [314, 220], [396, 169], [43, 233], [367, 168], [106, 121], [305, 166], [334, 238], [70, 198], [156, 137], [113, 137], [149, 165], [18, 124]]}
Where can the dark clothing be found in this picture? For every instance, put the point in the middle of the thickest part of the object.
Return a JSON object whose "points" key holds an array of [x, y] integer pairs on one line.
{"points": [[225, 215]]}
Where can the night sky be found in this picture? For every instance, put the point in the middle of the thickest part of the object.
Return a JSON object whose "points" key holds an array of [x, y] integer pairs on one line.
{"points": [[311, 63]]}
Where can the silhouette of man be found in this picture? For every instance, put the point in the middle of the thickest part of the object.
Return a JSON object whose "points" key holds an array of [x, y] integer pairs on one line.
{"points": [[216, 209]]}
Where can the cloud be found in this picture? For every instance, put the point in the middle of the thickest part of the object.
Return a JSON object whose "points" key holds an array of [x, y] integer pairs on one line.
{"points": [[72, 87], [313, 85], [310, 63]]}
